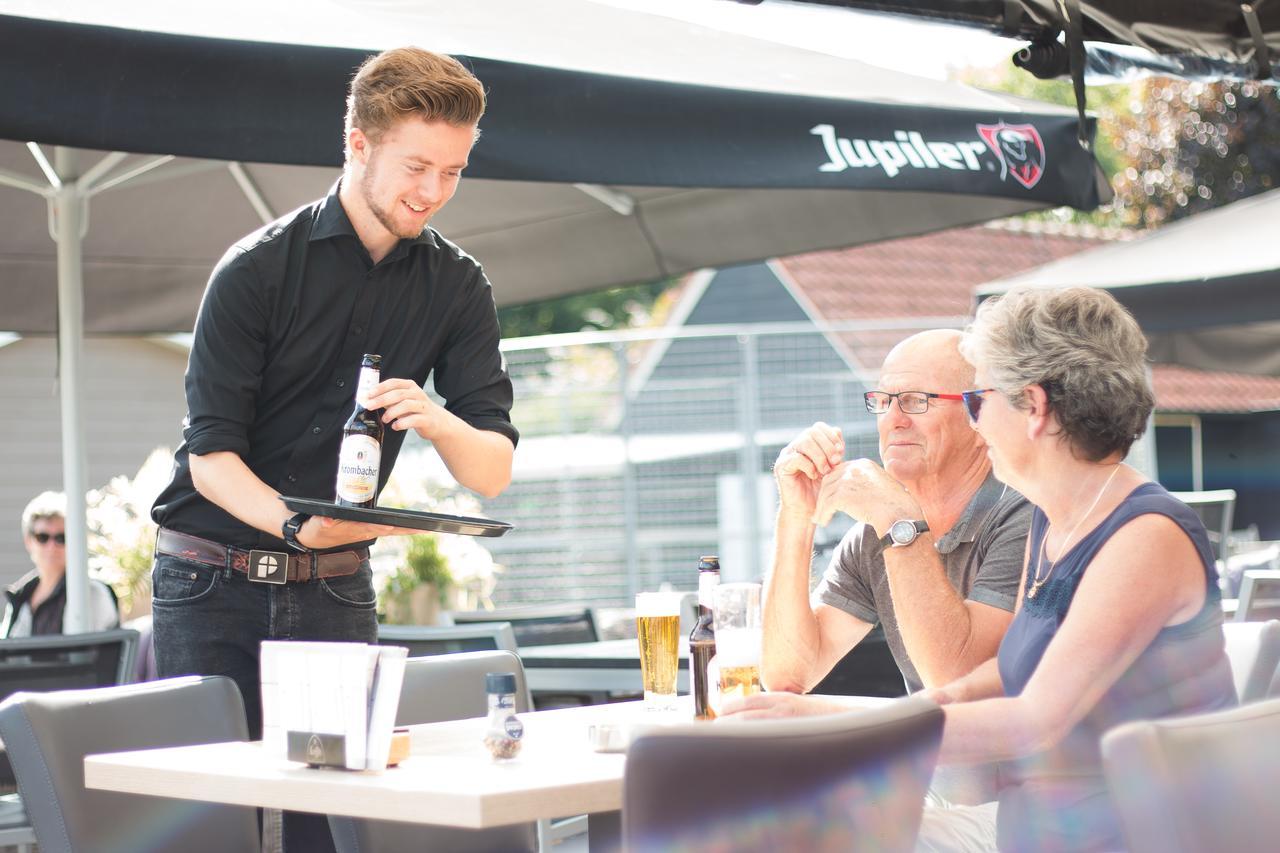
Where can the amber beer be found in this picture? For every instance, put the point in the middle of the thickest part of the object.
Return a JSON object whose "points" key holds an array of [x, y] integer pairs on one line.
{"points": [[702, 639], [658, 631], [739, 632], [360, 455]]}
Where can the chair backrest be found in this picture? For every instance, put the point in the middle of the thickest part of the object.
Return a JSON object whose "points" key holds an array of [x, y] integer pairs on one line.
{"points": [[438, 688], [67, 661], [1259, 596], [48, 735], [1203, 782], [424, 640], [850, 781], [1253, 648], [1216, 510], [540, 624]]}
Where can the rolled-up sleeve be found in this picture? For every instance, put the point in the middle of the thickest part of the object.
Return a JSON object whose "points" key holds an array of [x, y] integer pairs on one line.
{"points": [[470, 374], [224, 371], [846, 584]]}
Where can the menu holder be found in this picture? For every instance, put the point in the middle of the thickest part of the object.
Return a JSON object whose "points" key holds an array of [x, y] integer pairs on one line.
{"points": [[463, 525], [331, 704]]}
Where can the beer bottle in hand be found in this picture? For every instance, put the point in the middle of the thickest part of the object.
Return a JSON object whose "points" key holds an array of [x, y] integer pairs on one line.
{"points": [[361, 452], [702, 640]]}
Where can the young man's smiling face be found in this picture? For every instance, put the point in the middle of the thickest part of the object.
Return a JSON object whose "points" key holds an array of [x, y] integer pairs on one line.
{"points": [[409, 174]]}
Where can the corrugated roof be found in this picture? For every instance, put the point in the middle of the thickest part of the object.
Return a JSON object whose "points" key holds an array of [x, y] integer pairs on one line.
{"points": [[935, 275]]}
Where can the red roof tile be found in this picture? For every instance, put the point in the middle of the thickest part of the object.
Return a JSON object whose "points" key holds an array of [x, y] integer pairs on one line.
{"points": [[935, 275]]}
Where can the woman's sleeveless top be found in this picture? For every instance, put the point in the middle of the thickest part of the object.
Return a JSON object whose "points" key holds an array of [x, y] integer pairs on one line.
{"points": [[1057, 799]]}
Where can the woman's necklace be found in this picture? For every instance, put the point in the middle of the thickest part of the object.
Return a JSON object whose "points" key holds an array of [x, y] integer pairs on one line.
{"points": [[1037, 581]]}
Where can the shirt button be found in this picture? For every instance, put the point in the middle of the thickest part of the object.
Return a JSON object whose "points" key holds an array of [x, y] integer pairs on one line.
{"points": [[357, 330], [342, 383], [293, 478], [315, 430]]}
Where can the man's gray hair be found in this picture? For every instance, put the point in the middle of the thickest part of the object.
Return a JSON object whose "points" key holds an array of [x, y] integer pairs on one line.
{"points": [[43, 506], [1083, 348]]}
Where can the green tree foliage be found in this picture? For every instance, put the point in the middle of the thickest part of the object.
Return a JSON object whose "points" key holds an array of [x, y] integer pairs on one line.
{"points": [[618, 308], [1171, 148]]}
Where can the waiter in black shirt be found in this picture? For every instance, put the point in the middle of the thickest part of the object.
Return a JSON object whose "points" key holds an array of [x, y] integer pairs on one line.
{"points": [[286, 317]]}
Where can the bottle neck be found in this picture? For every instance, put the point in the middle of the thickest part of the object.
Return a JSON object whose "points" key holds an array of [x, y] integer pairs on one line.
{"points": [[369, 377], [707, 583]]}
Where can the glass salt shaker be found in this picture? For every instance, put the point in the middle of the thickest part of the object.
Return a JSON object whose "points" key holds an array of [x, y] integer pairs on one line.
{"points": [[503, 735]]}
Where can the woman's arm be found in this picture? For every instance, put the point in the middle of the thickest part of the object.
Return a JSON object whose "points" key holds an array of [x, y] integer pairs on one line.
{"points": [[1147, 576]]}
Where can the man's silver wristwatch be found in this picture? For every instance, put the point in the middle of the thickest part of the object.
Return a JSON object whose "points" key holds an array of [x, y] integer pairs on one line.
{"points": [[903, 532]]}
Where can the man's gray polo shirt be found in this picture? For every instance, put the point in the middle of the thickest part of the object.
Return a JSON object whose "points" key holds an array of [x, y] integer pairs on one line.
{"points": [[982, 554]]}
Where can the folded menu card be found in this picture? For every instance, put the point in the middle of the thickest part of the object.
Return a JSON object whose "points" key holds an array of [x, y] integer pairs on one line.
{"points": [[331, 704]]}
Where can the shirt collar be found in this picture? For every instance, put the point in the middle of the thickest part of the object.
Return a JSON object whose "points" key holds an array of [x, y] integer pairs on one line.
{"points": [[331, 220], [974, 515]]}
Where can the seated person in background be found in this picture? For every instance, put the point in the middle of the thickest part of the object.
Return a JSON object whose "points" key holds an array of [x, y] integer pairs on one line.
{"points": [[944, 590], [1119, 616], [36, 602]]}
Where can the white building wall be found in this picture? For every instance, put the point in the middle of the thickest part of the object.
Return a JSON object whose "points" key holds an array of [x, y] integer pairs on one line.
{"points": [[133, 403]]}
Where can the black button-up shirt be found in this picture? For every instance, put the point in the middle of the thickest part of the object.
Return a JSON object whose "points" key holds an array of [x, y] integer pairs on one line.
{"points": [[285, 319]]}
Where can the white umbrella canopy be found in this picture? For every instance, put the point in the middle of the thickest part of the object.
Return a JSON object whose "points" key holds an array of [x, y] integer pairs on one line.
{"points": [[618, 147], [1205, 289]]}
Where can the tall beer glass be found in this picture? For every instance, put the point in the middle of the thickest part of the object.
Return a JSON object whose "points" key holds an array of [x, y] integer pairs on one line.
{"points": [[658, 629], [739, 631]]}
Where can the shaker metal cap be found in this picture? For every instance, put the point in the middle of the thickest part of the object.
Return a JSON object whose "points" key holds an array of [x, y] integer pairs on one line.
{"points": [[500, 682]]}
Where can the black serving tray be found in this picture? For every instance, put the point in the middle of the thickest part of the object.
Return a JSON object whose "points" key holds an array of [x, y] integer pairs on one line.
{"points": [[434, 521]]}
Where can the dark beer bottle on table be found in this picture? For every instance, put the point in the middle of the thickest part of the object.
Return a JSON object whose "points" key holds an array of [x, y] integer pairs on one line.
{"points": [[702, 639], [360, 455]]}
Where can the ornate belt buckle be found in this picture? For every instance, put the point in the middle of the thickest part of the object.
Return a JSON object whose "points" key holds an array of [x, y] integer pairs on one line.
{"points": [[268, 567]]}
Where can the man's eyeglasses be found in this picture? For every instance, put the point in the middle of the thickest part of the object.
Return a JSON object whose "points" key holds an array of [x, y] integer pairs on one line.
{"points": [[909, 402], [973, 402], [43, 538]]}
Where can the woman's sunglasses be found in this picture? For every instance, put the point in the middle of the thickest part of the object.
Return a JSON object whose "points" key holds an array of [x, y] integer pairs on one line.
{"points": [[43, 538], [973, 402]]}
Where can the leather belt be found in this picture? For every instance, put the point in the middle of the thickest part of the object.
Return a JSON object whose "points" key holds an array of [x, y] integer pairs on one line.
{"points": [[265, 564]]}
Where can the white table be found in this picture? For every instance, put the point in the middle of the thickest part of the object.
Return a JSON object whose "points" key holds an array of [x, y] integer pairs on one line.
{"points": [[449, 778]]}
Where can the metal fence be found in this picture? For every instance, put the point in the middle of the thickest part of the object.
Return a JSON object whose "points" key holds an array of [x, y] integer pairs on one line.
{"points": [[642, 450]]}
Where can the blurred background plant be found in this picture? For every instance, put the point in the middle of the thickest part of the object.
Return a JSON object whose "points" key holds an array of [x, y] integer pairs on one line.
{"points": [[460, 568], [122, 536]]}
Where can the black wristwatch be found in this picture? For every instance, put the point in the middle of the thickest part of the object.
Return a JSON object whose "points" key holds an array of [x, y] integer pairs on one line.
{"points": [[902, 533], [291, 529]]}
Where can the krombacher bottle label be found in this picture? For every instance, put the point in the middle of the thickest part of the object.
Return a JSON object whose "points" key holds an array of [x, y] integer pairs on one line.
{"points": [[361, 452]]}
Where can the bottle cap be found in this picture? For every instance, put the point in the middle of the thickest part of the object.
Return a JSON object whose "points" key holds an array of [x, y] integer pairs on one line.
{"points": [[500, 682], [709, 564]]}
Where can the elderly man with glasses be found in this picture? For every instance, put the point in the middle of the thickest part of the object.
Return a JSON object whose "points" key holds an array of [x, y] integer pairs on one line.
{"points": [[36, 602], [936, 557]]}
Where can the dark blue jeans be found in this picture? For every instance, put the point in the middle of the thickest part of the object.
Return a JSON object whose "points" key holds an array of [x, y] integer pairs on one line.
{"points": [[211, 621]]}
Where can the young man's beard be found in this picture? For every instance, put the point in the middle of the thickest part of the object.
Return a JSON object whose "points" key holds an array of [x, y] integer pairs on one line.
{"points": [[379, 212]]}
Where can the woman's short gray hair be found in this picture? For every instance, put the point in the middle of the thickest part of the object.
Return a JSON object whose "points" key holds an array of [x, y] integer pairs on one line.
{"points": [[1082, 347], [43, 507]]}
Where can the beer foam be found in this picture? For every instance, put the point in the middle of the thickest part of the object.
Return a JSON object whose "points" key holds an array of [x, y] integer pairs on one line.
{"points": [[658, 604], [738, 647]]}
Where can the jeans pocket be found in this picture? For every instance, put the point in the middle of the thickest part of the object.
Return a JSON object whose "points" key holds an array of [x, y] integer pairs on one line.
{"points": [[175, 582], [354, 590]]}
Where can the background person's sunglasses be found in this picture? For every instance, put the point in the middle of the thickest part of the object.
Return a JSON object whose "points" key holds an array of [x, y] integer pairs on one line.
{"points": [[43, 538], [973, 402]]}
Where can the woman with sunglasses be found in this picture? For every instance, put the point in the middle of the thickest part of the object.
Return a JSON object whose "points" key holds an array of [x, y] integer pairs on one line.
{"points": [[1119, 616], [35, 603]]}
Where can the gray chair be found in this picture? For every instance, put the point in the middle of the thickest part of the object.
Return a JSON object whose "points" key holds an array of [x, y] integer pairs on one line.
{"points": [[539, 624], [851, 781], [1197, 783], [1259, 596], [424, 640], [438, 688], [1253, 648], [49, 734], [1216, 510], [56, 662]]}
